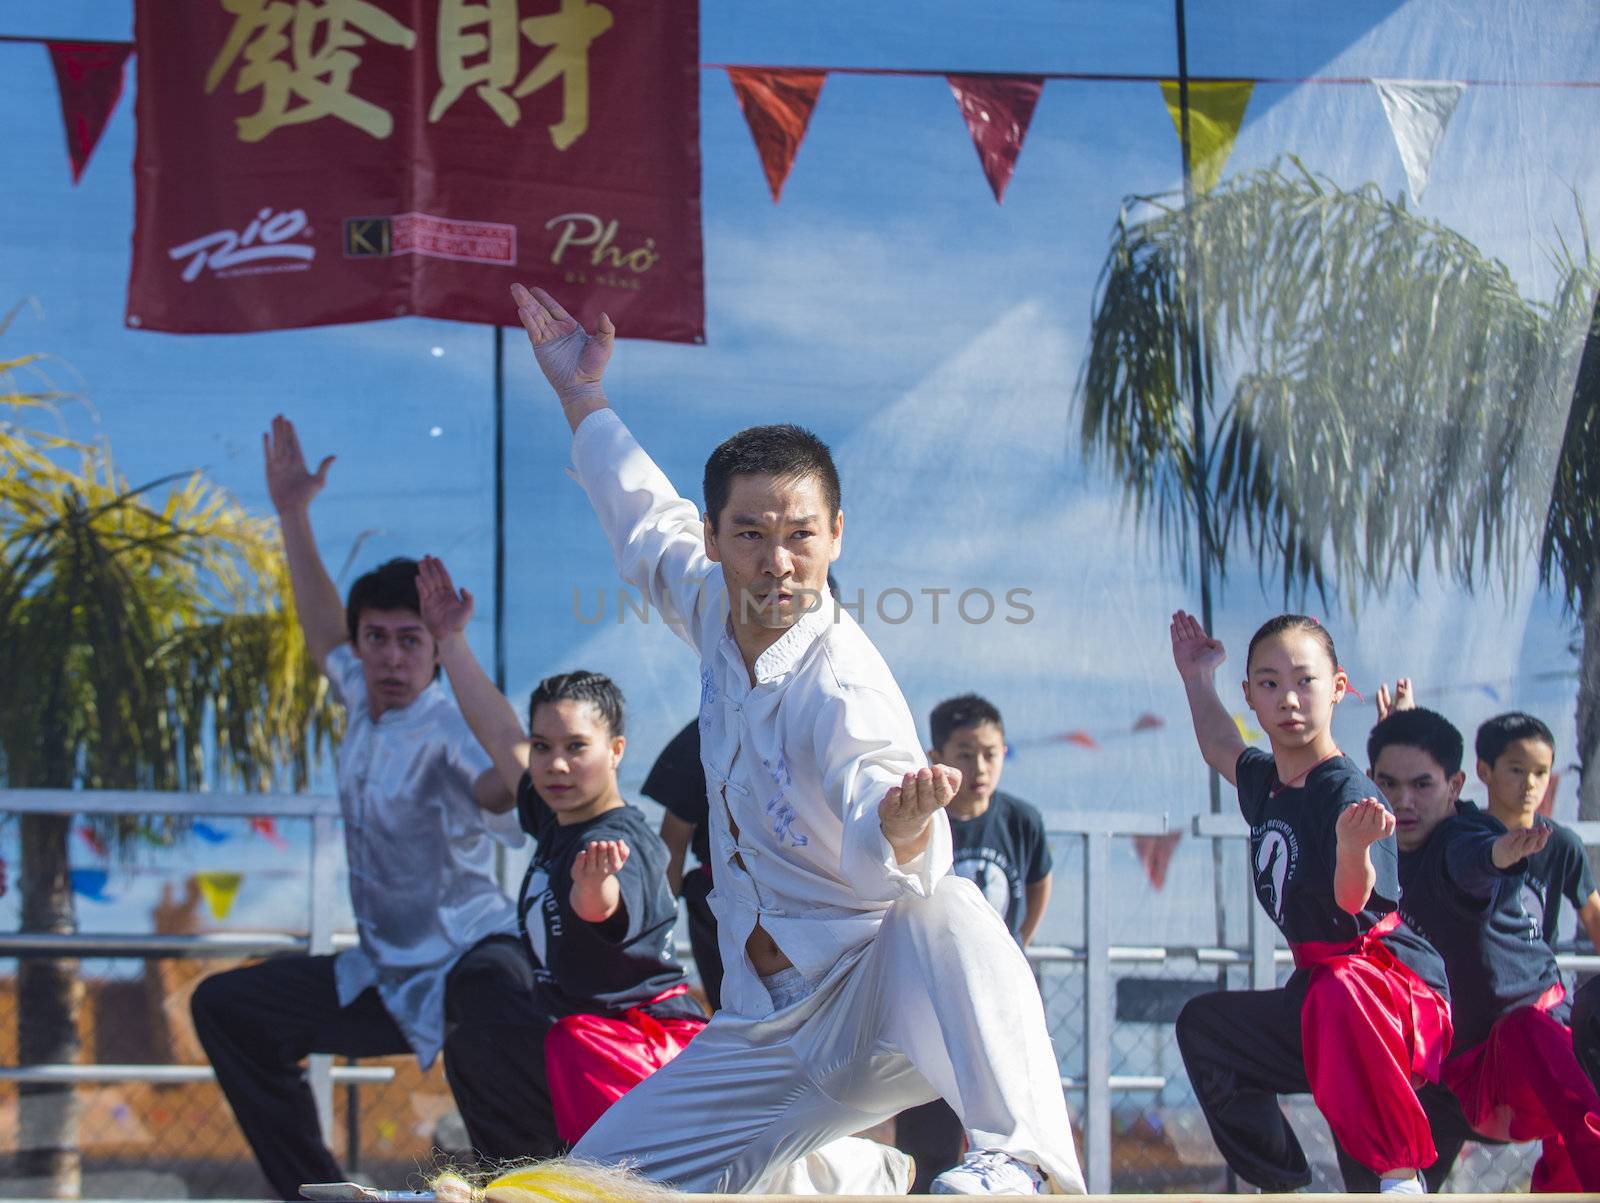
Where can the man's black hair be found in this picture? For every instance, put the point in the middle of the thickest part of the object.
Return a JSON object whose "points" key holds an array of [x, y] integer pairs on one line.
{"points": [[389, 586], [784, 451], [1504, 729], [1424, 729], [967, 710], [599, 690]]}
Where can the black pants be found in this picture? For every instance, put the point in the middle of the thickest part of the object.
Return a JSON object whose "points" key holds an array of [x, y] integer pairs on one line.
{"points": [[257, 1023], [933, 1136], [498, 1018], [703, 933], [1242, 1049]]}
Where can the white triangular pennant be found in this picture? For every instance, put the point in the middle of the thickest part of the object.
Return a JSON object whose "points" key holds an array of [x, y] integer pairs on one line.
{"points": [[1418, 111]]}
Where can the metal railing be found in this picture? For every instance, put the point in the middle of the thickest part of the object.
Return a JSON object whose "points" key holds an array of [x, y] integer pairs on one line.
{"points": [[326, 852], [1094, 830], [1094, 833]]}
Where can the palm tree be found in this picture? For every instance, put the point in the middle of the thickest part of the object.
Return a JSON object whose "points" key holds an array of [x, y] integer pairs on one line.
{"points": [[147, 644], [1384, 401]]}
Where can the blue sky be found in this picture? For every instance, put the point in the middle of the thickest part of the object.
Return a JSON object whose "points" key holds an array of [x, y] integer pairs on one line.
{"points": [[931, 336]]}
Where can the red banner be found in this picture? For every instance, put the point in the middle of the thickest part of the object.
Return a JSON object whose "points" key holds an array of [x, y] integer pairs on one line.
{"points": [[324, 161]]}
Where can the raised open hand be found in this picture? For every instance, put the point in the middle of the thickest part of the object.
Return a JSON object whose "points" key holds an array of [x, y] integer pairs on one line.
{"points": [[288, 483], [905, 809], [573, 361], [1402, 699], [444, 610], [1193, 651], [1519, 843], [1364, 824]]}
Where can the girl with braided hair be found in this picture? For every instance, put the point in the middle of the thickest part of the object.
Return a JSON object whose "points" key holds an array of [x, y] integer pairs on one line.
{"points": [[600, 1001]]}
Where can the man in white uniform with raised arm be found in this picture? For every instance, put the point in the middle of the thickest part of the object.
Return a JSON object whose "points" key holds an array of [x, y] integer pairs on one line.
{"points": [[861, 977]]}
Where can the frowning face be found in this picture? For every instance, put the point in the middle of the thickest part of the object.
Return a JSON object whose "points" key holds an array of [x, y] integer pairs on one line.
{"points": [[775, 539]]}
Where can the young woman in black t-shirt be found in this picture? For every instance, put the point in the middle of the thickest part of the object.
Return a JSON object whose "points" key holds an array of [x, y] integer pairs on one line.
{"points": [[1364, 1015], [599, 1001]]}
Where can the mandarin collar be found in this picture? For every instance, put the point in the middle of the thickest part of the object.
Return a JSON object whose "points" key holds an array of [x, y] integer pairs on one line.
{"points": [[783, 655]]}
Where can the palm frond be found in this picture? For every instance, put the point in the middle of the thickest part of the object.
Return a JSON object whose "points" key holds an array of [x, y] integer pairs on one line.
{"points": [[1381, 400]]}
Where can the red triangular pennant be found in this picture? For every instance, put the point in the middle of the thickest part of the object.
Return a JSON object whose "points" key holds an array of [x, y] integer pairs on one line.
{"points": [[89, 78], [997, 110], [777, 106], [1155, 853], [1079, 739]]}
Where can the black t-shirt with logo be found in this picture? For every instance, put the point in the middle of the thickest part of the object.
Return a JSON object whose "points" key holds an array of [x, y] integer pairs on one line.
{"points": [[1294, 852], [608, 966], [1472, 913], [677, 780], [1003, 850], [1559, 870]]}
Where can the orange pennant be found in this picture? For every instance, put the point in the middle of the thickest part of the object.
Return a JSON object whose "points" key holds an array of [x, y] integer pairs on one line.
{"points": [[89, 79], [777, 106], [1155, 853], [1079, 739], [997, 110]]}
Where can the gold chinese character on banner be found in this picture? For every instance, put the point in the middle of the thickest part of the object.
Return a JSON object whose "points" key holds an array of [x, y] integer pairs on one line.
{"points": [[304, 51], [568, 34], [460, 43]]}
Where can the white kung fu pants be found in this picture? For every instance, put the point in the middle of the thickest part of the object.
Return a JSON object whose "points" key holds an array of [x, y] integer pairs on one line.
{"points": [[941, 1003]]}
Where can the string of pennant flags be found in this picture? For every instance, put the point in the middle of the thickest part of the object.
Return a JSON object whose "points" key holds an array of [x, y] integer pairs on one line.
{"points": [[219, 887], [997, 108]]}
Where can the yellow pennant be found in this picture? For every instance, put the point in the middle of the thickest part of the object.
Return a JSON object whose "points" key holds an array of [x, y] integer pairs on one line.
{"points": [[1216, 111], [1246, 732], [219, 890]]}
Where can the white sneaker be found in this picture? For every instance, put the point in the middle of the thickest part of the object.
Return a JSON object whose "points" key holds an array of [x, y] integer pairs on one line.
{"points": [[989, 1172], [1403, 1186]]}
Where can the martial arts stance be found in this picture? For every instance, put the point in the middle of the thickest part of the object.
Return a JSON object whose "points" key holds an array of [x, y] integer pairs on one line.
{"points": [[1364, 1014], [861, 978], [1512, 1066], [417, 793], [600, 1000]]}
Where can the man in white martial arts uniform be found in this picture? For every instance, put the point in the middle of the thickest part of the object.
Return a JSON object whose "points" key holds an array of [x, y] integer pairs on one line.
{"points": [[861, 977]]}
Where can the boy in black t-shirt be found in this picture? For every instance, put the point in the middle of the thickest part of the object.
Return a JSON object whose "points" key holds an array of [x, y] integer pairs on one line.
{"points": [[595, 913], [1516, 753], [1512, 1065], [1000, 845], [1364, 1014]]}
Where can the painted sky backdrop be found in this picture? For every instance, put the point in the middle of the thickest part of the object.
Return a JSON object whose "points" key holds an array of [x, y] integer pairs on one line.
{"points": [[931, 336]]}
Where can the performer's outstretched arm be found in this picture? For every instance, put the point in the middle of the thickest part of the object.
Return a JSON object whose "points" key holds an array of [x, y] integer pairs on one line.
{"points": [[657, 537], [292, 489], [1198, 656], [489, 714]]}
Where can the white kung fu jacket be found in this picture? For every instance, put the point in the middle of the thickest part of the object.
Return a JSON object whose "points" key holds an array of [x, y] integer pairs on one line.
{"points": [[802, 757]]}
